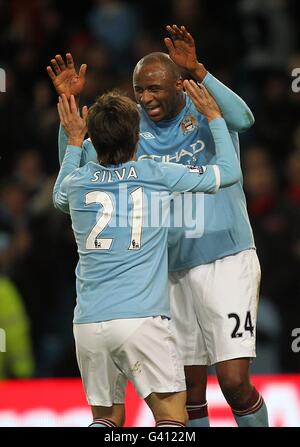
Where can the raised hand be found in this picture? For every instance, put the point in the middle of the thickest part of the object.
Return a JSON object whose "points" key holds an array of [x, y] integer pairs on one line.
{"points": [[74, 125], [64, 76], [203, 101], [182, 50]]}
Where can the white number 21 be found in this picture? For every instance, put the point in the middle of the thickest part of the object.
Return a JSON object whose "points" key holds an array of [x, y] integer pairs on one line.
{"points": [[94, 241]]}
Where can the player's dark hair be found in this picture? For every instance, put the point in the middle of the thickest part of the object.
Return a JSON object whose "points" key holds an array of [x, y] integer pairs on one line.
{"points": [[113, 125]]}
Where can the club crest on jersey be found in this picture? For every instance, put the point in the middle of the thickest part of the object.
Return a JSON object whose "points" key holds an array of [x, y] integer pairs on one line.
{"points": [[188, 124], [197, 169]]}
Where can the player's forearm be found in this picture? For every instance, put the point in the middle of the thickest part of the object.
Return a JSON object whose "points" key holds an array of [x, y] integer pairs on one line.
{"points": [[225, 172], [199, 73], [235, 111], [227, 160], [62, 144], [71, 161]]}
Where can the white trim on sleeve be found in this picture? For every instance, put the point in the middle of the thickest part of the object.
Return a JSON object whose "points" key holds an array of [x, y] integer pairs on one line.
{"points": [[218, 177]]}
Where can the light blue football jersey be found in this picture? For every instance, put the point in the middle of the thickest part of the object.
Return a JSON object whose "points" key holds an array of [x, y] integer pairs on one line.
{"points": [[187, 139], [120, 219]]}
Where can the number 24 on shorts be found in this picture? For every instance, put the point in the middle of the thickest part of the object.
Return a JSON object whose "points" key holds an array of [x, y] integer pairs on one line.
{"points": [[248, 326]]}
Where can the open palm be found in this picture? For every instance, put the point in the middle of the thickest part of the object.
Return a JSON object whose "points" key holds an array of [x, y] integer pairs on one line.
{"points": [[181, 47], [64, 76]]}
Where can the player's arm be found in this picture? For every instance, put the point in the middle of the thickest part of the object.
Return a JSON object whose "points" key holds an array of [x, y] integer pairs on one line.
{"points": [[75, 129], [208, 178], [62, 144], [182, 51], [88, 152], [67, 81]]}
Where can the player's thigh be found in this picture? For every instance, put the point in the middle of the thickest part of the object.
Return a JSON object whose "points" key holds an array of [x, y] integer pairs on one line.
{"points": [[168, 406], [229, 310], [184, 321], [150, 360], [103, 382]]}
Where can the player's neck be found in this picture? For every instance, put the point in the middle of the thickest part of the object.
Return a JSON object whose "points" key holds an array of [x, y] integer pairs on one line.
{"points": [[181, 103]]}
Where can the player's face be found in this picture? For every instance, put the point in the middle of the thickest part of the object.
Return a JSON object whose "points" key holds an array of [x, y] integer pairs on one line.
{"points": [[157, 92]]}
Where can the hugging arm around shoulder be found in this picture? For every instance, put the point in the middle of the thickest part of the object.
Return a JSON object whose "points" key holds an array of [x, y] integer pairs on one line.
{"points": [[210, 178]]}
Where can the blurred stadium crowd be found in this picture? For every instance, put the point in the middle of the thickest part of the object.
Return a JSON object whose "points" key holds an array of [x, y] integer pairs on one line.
{"points": [[251, 45]]}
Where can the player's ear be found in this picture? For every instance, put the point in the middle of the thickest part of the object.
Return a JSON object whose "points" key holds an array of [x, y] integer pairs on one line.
{"points": [[179, 85]]}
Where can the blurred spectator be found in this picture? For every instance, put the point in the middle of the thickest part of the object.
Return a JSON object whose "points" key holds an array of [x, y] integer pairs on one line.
{"points": [[28, 172], [116, 25], [268, 31], [207, 23], [273, 219], [101, 75], [13, 133], [293, 174], [43, 124], [17, 361], [45, 276], [14, 233], [276, 115]]}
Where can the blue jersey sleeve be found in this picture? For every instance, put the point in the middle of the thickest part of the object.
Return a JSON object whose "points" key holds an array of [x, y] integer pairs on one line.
{"points": [[235, 111], [70, 162], [62, 144], [88, 152], [208, 178]]}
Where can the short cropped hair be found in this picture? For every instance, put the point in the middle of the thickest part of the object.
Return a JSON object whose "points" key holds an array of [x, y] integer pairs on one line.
{"points": [[113, 125], [162, 59]]}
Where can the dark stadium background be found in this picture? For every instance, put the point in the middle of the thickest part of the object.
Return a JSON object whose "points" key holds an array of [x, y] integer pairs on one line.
{"points": [[251, 45]]}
